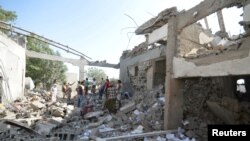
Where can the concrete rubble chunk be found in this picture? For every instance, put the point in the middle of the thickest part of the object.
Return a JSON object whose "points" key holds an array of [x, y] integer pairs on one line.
{"points": [[93, 114], [36, 105], [44, 128], [58, 112], [56, 120], [138, 130], [222, 113], [127, 108]]}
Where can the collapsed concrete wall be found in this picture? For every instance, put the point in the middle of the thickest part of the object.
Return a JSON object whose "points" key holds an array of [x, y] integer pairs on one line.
{"points": [[212, 101], [12, 68], [129, 62]]}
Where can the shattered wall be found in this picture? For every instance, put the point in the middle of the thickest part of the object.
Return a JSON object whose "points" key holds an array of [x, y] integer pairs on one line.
{"points": [[207, 101], [189, 41], [128, 60], [12, 68]]}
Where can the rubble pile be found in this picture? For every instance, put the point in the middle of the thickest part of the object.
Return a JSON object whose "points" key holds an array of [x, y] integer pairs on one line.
{"points": [[196, 42], [35, 118]]}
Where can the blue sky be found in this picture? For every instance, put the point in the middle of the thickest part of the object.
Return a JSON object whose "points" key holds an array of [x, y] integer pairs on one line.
{"points": [[93, 27]]}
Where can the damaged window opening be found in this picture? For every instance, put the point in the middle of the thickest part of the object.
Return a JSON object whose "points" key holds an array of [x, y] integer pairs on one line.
{"points": [[241, 89], [241, 86]]}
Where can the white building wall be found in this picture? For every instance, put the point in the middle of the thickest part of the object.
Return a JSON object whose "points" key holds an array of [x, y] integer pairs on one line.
{"points": [[12, 68]]}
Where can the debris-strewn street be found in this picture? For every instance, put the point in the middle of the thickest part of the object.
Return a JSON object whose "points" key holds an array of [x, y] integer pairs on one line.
{"points": [[185, 77]]}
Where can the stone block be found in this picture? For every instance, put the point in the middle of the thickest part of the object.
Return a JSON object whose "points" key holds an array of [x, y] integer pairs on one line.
{"points": [[56, 120], [222, 113], [44, 128], [127, 108], [36, 105], [93, 114], [58, 112]]}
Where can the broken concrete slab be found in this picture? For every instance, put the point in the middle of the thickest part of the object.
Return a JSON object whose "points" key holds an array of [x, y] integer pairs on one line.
{"points": [[44, 128], [93, 114], [222, 113], [58, 112], [127, 108], [21, 125], [231, 104], [56, 120], [29, 121], [36, 105]]}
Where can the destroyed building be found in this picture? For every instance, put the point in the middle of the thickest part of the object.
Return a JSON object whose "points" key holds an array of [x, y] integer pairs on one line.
{"points": [[201, 69], [182, 78]]}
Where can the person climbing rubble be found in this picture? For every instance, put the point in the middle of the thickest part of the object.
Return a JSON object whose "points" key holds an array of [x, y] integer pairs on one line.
{"points": [[64, 87], [86, 108], [80, 93], [69, 90], [107, 85], [86, 86], [111, 103], [119, 91], [93, 88], [101, 88]]}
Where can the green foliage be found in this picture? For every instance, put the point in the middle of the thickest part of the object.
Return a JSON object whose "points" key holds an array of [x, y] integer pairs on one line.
{"points": [[96, 73], [41, 70], [6, 15]]}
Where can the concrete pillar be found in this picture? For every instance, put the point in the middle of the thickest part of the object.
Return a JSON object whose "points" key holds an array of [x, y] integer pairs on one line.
{"points": [[221, 21], [206, 23], [81, 70], [81, 73], [173, 113]]}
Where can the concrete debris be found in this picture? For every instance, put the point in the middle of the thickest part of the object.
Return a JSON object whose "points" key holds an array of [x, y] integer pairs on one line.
{"points": [[58, 112], [44, 128], [93, 114], [36, 105], [127, 108], [140, 116], [139, 129], [222, 113]]}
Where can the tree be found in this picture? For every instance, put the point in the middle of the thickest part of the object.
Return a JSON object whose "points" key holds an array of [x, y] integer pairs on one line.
{"points": [[7, 16], [96, 73], [44, 71]]}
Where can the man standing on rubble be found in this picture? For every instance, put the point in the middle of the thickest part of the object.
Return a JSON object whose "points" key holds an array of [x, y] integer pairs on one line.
{"points": [[86, 86], [53, 91], [80, 93], [119, 92], [64, 88]]}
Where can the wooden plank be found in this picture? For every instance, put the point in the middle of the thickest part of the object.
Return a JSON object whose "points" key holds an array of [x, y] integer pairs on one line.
{"points": [[137, 135], [202, 10]]}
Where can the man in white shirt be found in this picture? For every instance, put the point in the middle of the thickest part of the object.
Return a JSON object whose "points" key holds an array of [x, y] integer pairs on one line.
{"points": [[53, 91]]}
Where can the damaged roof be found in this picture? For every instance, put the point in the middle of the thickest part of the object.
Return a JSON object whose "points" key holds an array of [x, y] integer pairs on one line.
{"points": [[156, 22]]}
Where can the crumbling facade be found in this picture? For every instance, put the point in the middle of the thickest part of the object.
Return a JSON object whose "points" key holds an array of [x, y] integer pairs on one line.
{"points": [[194, 52]]}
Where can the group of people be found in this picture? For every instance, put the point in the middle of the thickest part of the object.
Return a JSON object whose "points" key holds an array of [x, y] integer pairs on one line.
{"points": [[112, 92]]}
